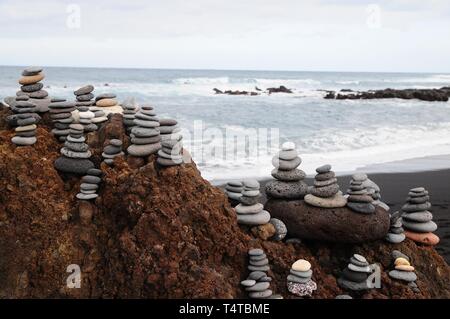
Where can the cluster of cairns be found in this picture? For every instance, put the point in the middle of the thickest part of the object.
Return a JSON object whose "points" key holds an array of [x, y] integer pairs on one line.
{"points": [[89, 184], [32, 86], [396, 233], [85, 99], [257, 283], [325, 193], [61, 116], [417, 219], [289, 182], [403, 270], [359, 197], [169, 130], [75, 153], [145, 136], [170, 153], [355, 276], [110, 151], [299, 280], [234, 190], [129, 109], [250, 211]]}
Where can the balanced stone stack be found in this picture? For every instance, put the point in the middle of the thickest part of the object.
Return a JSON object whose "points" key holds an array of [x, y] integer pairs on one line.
{"points": [[404, 272], [145, 136], [325, 193], [359, 198], [32, 85], [75, 153], [129, 109], [257, 283], [299, 280], [85, 99], [169, 129], [25, 133], [289, 182], [355, 276], [84, 96], [396, 232], [171, 153], [61, 115], [99, 115], [106, 100], [370, 187], [250, 211], [22, 107], [234, 190], [417, 219], [89, 184], [110, 151]]}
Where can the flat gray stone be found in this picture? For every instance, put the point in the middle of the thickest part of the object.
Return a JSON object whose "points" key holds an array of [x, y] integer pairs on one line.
{"points": [[296, 279], [421, 217], [91, 179], [395, 238], [427, 227], [362, 208], [407, 276], [260, 286], [416, 207], [84, 90], [323, 169], [302, 274], [252, 209], [283, 165], [143, 150], [289, 176], [256, 275], [260, 294], [23, 141], [248, 282]]}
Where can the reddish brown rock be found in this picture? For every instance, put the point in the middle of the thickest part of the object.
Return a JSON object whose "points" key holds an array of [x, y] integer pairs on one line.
{"points": [[264, 231], [331, 224]]}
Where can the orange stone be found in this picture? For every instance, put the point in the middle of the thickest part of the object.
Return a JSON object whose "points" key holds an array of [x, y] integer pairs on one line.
{"points": [[423, 238], [106, 102], [31, 79], [404, 267]]}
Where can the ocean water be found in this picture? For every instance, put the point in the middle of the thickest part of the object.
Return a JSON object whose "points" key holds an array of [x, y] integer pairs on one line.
{"points": [[220, 130]]}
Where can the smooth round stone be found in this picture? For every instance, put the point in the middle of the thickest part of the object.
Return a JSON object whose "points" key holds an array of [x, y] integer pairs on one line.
{"points": [[23, 141], [354, 276], [115, 142], [69, 153], [25, 128], [256, 275], [252, 209], [76, 147], [287, 155], [83, 191], [255, 252], [296, 279], [427, 227], [168, 162], [62, 105], [88, 187], [302, 274], [324, 176], [234, 196], [362, 208], [25, 104], [27, 121], [111, 156], [352, 285], [99, 119], [420, 217], [254, 219], [248, 282], [414, 195], [403, 275], [26, 134], [84, 90], [287, 146], [283, 165], [355, 268], [333, 202], [57, 99], [146, 117], [94, 171], [143, 150], [286, 190], [301, 265], [173, 136], [323, 169], [356, 262], [258, 268], [145, 140], [404, 267], [112, 150], [60, 116], [418, 190], [418, 200], [91, 179], [41, 94], [258, 257], [32, 70], [106, 102], [147, 124], [234, 189], [174, 157], [169, 129], [76, 127], [86, 115], [251, 184], [355, 188], [86, 196], [360, 199], [32, 87], [31, 79], [105, 96], [397, 230], [325, 183], [233, 183], [359, 177], [71, 165], [249, 200], [416, 207], [395, 238], [262, 262], [260, 294], [360, 258], [280, 229], [326, 191], [289, 176], [423, 238], [266, 279], [251, 193], [60, 132], [168, 122], [148, 112]]}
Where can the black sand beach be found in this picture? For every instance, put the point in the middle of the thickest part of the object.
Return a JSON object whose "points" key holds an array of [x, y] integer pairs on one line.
{"points": [[394, 190]]}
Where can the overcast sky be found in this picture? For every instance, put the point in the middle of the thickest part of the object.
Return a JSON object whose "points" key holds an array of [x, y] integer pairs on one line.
{"points": [[327, 35]]}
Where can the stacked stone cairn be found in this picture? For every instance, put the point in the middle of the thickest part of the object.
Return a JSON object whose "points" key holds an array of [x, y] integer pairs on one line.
{"points": [[403, 271], [396, 232], [61, 115], [325, 193], [289, 182], [145, 137], [99, 115], [106, 100], [171, 152], [110, 151], [250, 211], [33, 87], [89, 184], [75, 153], [374, 190], [359, 197], [257, 283], [169, 129], [25, 132], [299, 280], [355, 276], [129, 112], [417, 219], [234, 190], [22, 107], [85, 99]]}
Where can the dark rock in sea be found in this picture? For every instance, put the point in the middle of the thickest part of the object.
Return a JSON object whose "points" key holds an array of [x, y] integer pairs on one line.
{"points": [[281, 89], [335, 225]]}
